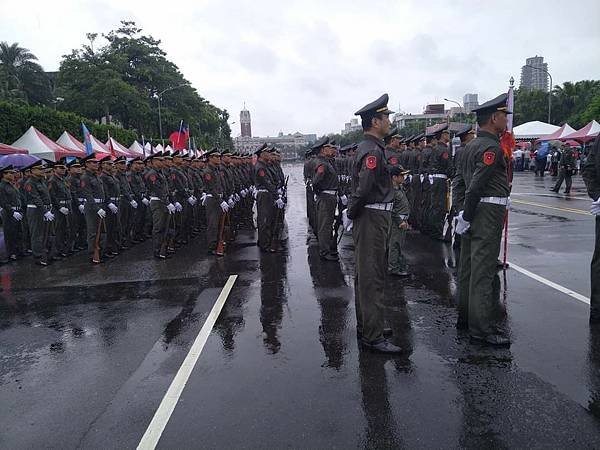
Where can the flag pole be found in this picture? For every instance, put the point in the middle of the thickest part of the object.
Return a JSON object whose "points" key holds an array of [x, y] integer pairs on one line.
{"points": [[508, 142]]}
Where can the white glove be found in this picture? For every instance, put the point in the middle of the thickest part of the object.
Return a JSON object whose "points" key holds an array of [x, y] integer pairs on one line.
{"points": [[204, 197], [422, 177], [595, 208], [344, 200], [315, 197], [64, 210], [461, 225], [171, 208], [145, 201], [101, 213], [255, 193], [81, 208], [410, 178], [178, 207], [430, 179], [230, 203], [191, 200], [224, 206], [279, 191], [236, 197], [17, 216], [133, 204], [48, 216], [243, 193], [1, 209], [279, 203], [346, 221], [113, 208]]}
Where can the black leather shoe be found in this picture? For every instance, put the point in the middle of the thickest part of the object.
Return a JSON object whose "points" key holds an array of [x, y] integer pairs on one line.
{"points": [[387, 332], [382, 346], [330, 257]]}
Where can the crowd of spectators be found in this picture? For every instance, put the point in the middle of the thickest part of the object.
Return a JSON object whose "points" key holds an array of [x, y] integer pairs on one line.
{"points": [[545, 157]]}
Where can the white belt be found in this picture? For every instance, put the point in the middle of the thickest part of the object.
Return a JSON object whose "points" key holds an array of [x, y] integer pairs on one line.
{"points": [[82, 200], [440, 175], [380, 206], [262, 190], [98, 200], [155, 198], [330, 192], [114, 199], [495, 200], [32, 206]]}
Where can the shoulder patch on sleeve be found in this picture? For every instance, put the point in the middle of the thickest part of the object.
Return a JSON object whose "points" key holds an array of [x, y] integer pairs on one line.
{"points": [[207, 177], [173, 176], [28, 188], [445, 155], [321, 168], [152, 178], [393, 161], [371, 162], [489, 157], [261, 173], [81, 183]]}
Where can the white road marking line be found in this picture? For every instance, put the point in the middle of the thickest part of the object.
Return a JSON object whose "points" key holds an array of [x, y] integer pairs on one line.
{"points": [[169, 401], [553, 285]]}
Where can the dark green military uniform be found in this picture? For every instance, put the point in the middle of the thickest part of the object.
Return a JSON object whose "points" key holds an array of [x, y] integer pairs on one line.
{"points": [[126, 210], [112, 190], [93, 198], [138, 190], [416, 206], [309, 166], [400, 215], [60, 193], [266, 193], [591, 177], [440, 170], [78, 233], [486, 190], [10, 202], [38, 203], [325, 186], [158, 194], [426, 183], [370, 208], [214, 197], [567, 168]]}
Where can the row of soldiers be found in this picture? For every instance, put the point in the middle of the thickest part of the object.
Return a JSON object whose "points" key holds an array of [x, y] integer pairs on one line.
{"points": [[429, 159], [54, 209]]}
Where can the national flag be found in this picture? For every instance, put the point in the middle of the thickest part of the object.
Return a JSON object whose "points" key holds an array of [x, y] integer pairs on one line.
{"points": [[179, 138], [86, 140]]}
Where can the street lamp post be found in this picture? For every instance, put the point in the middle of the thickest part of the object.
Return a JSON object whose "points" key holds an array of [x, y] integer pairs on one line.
{"points": [[454, 101], [549, 91], [159, 116]]}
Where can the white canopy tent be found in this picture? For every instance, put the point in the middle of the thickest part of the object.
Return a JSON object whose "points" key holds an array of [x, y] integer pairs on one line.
{"points": [[40, 145], [136, 148], [533, 130]]}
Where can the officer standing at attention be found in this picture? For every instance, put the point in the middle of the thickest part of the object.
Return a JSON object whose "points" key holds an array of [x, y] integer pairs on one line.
{"points": [[370, 208], [392, 148], [466, 135], [12, 212], [440, 171], [93, 201], [39, 214], [486, 189], [325, 186], [60, 194], [309, 165], [266, 192], [591, 177]]}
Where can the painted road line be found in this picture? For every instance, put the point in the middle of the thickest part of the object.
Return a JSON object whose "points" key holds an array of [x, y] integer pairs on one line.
{"points": [[568, 197], [557, 208], [169, 401], [553, 285]]}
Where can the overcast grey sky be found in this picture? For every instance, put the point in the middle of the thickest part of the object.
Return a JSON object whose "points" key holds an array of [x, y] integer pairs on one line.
{"points": [[308, 65]]}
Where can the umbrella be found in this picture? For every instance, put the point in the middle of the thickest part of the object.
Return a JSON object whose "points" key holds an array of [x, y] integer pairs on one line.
{"points": [[17, 160]]}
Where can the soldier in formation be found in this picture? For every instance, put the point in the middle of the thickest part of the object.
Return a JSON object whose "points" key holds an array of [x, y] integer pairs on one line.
{"points": [[105, 206]]}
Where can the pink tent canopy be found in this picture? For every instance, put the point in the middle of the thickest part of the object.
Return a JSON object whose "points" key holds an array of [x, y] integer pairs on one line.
{"points": [[120, 150], [99, 147], [587, 133], [6, 149], [67, 140], [40, 145], [565, 130]]}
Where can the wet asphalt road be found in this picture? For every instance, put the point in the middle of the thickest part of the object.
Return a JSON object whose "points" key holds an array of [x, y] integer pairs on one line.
{"points": [[87, 353]]}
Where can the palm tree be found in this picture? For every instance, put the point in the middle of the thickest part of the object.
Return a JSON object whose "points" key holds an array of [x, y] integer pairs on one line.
{"points": [[21, 76]]}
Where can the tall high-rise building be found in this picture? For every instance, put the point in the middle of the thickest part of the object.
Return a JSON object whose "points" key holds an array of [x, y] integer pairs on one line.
{"points": [[470, 101], [245, 122], [534, 74]]}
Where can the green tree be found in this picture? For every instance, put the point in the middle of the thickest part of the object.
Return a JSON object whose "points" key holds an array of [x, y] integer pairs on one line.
{"points": [[593, 111], [124, 78], [21, 77]]}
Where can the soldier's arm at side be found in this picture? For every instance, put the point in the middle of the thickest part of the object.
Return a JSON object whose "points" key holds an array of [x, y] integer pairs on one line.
{"points": [[366, 182], [591, 171]]}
